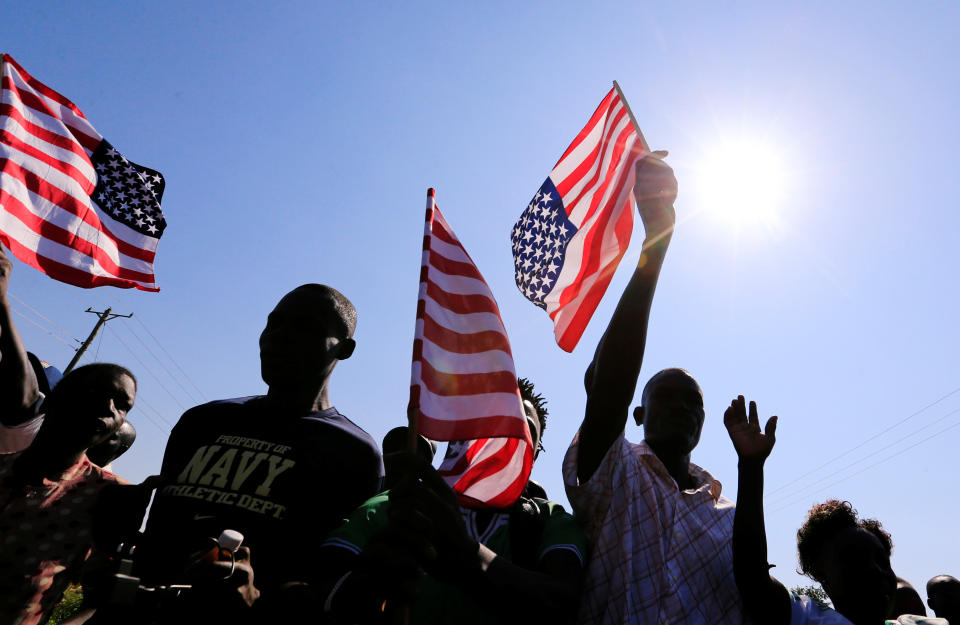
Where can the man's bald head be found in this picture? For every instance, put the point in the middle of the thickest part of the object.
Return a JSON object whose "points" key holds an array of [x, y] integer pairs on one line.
{"points": [[943, 597]]}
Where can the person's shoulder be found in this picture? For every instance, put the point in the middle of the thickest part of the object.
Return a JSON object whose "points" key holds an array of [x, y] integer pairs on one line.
{"points": [[333, 419], [213, 409]]}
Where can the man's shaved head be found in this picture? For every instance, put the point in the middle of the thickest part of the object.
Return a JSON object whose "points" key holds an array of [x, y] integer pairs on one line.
{"points": [[341, 308], [943, 597]]}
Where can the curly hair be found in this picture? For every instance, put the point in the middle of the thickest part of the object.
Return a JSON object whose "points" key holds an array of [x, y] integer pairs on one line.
{"points": [[528, 393], [824, 521]]}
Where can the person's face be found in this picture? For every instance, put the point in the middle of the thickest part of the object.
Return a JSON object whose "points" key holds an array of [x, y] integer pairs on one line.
{"points": [[673, 413], [112, 447], [533, 422], [858, 576], [299, 343], [98, 411]]}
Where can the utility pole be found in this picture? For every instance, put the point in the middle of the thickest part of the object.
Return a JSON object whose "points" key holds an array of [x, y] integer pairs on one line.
{"points": [[104, 317]]}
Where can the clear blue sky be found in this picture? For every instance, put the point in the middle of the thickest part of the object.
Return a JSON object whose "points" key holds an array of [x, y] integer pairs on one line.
{"points": [[298, 141]]}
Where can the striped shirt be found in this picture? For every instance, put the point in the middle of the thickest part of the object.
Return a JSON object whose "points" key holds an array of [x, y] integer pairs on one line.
{"points": [[660, 555]]}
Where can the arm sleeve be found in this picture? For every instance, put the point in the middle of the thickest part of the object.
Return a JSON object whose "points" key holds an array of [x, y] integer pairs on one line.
{"points": [[592, 499], [561, 531], [355, 532], [18, 437]]}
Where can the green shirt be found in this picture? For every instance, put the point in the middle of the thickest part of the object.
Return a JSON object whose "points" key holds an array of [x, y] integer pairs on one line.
{"points": [[444, 603]]}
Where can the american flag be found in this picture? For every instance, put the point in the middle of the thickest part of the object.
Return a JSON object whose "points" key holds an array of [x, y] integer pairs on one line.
{"points": [[571, 237], [70, 204], [463, 381]]}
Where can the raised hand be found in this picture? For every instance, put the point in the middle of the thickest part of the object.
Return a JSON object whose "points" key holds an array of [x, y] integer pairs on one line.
{"points": [[744, 431], [655, 190]]}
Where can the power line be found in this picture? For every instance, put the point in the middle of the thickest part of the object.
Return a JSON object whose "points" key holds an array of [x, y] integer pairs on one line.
{"points": [[39, 314], [814, 485], [147, 369], [172, 377], [879, 462], [172, 359], [59, 338], [874, 437]]}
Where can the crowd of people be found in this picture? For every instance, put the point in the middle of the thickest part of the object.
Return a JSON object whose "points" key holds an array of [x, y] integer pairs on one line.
{"points": [[325, 529]]}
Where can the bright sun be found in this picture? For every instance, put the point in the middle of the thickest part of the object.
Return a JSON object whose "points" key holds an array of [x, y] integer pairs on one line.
{"points": [[742, 182]]}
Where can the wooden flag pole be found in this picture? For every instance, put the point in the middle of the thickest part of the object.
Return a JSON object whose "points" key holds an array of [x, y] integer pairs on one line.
{"points": [[633, 119]]}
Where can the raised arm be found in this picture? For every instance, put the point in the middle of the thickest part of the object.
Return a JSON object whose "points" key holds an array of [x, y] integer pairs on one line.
{"points": [[764, 598], [611, 378], [19, 390]]}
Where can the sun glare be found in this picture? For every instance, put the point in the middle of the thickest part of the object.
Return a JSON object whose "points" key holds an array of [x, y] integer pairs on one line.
{"points": [[742, 182]]}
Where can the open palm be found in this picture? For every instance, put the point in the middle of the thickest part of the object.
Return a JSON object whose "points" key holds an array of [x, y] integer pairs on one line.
{"points": [[744, 431]]}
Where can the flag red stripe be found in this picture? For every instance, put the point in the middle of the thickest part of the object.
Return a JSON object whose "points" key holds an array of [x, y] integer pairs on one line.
{"points": [[66, 273], [464, 429], [71, 204], [590, 162], [453, 267], [42, 133], [448, 237], [37, 103], [67, 168], [595, 188], [593, 245], [597, 114], [473, 343], [51, 231], [461, 304], [42, 88], [460, 384], [584, 312]]}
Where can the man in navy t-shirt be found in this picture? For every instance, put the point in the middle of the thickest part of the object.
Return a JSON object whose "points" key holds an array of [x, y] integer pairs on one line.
{"points": [[284, 468]]}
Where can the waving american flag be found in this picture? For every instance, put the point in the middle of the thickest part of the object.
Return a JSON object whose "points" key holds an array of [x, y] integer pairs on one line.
{"points": [[569, 240], [70, 204], [463, 382]]}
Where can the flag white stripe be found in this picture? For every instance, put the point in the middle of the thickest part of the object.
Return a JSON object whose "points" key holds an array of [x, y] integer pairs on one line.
{"points": [[603, 164], [70, 119], [489, 487], [457, 285], [47, 248], [49, 212], [458, 407], [83, 165], [45, 172], [468, 323], [573, 160], [452, 362], [450, 252]]}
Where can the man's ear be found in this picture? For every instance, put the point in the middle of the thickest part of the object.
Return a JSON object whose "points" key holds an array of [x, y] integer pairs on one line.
{"points": [[345, 348], [638, 415]]}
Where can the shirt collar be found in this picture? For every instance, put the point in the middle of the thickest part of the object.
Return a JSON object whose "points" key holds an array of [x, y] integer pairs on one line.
{"points": [[703, 480]]}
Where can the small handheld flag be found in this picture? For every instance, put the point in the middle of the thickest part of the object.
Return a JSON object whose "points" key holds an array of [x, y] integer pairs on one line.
{"points": [[463, 384], [569, 240]]}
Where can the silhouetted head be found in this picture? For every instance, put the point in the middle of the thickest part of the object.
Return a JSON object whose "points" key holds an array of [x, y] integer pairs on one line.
{"points": [[535, 407], [850, 558], [943, 597], [113, 447], [906, 600], [89, 404], [396, 440], [308, 331], [671, 412]]}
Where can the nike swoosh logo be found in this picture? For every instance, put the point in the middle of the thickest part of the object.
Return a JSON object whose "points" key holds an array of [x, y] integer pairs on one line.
{"points": [[198, 517]]}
